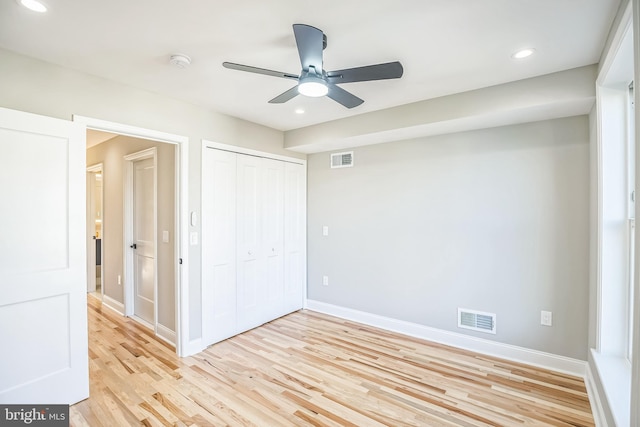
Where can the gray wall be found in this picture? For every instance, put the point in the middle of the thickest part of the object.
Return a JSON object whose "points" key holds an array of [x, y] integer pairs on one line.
{"points": [[494, 220], [111, 154]]}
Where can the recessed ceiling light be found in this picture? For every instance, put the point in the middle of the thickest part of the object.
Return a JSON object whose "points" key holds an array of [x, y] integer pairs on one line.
{"points": [[523, 53], [299, 110], [35, 5]]}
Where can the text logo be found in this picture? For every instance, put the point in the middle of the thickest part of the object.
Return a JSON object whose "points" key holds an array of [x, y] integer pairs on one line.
{"points": [[34, 415]]}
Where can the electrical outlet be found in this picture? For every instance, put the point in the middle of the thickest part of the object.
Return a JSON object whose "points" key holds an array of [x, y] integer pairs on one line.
{"points": [[325, 230], [546, 318], [325, 280]]}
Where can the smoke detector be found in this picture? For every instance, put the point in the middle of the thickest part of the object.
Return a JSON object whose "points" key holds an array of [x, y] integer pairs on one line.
{"points": [[180, 60]]}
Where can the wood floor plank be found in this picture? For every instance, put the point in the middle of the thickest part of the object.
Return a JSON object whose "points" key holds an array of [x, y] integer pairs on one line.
{"points": [[309, 369]]}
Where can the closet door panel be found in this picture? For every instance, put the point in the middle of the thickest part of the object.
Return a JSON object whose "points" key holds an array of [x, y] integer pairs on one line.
{"points": [[295, 271], [250, 254], [219, 245], [273, 220]]}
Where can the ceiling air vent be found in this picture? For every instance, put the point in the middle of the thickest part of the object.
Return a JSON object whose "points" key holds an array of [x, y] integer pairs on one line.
{"points": [[477, 320], [342, 160]]}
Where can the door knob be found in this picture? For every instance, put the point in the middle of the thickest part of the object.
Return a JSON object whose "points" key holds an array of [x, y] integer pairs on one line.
{"points": [[134, 246]]}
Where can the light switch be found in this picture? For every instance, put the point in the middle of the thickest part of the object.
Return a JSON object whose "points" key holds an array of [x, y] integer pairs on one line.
{"points": [[325, 230], [165, 236], [193, 238]]}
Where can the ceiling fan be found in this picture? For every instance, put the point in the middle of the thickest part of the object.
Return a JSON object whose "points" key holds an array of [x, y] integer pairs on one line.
{"points": [[314, 80]]}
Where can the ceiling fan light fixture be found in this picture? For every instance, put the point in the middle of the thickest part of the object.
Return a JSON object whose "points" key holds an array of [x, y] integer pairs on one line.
{"points": [[312, 86], [34, 5]]}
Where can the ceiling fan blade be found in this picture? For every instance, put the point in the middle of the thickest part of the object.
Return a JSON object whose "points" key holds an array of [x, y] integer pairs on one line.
{"points": [[285, 96], [309, 41], [257, 70], [389, 70], [343, 97]]}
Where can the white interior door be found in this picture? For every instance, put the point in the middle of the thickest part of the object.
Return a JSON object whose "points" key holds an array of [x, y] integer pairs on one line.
{"points": [[250, 260], [42, 260], [253, 240], [219, 251], [273, 235], [295, 229], [144, 237]]}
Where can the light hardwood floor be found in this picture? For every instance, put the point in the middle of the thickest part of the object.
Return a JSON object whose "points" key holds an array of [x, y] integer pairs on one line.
{"points": [[314, 370]]}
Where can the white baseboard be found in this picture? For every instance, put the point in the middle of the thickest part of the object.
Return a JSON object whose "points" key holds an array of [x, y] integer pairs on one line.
{"points": [[114, 305], [597, 409], [492, 348], [166, 334]]}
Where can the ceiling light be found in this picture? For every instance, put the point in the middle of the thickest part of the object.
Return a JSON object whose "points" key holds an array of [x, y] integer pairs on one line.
{"points": [[523, 53], [312, 86], [35, 5]]}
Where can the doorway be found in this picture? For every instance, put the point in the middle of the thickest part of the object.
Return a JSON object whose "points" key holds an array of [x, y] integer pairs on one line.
{"points": [[172, 235], [95, 227]]}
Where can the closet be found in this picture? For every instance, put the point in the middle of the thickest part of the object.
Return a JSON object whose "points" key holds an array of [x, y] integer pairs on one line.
{"points": [[253, 240]]}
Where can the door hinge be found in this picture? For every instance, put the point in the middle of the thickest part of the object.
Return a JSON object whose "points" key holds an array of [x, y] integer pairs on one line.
{"points": [[180, 261]]}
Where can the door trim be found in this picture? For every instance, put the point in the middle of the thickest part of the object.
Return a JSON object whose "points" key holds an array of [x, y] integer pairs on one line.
{"points": [[128, 262], [250, 152], [91, 248], [183, 345]]}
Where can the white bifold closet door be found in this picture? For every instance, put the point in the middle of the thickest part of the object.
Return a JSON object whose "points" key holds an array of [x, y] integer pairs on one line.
{"points": [[295, 236], [250, 271], [253, 229], [273, 221], [218, 245]]}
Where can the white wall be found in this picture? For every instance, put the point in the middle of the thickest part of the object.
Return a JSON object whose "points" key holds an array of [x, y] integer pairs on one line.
{"points": [[42, 88], [495, 220]]}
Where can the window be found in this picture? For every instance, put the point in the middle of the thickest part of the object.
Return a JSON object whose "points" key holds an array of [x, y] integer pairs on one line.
{"points": [[631, 172], [615, 156]]}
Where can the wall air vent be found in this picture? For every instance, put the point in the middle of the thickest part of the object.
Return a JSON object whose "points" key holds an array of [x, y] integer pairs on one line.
{"points": [[477, 320], [342, 160]]}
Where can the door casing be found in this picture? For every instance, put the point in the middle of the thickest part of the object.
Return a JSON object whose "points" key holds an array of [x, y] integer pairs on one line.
{"points": [[184, 346]]}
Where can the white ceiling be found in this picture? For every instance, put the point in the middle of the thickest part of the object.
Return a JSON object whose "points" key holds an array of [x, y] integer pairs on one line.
{"points": [[446, 46]]}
